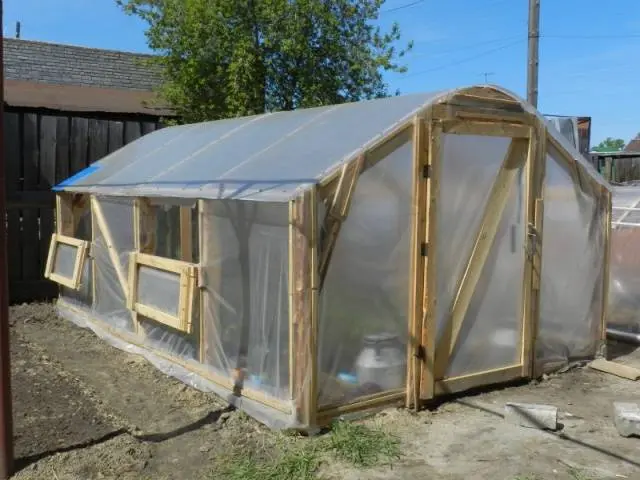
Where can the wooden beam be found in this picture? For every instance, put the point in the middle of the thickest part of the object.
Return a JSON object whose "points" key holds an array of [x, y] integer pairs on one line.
{"points": [[527, 347], [536, 240], [337, 213], [326, 414], [108, 239], [482, 245], [605, 274], [429, 311], [487, 128], [446, 111], [467, 382], [315, 291], [418, 238], [64, 214], [186, 234]]}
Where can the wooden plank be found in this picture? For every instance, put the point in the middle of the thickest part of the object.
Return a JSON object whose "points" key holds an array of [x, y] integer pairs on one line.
{"points": [[416, 285], [617, 369], [132, 131], [79, 143], [337, 213], [538, 182], [429, 311], [452, 112], [31, 265], [64, 214], [98, 139], [496, 129], [116, 135], [48, 269], [63, 149], [186, 234], [162, 263], [370, 401], [314, 310], [13, 167], [482, 245], [531, 192], [47, 178], [480, 379]]}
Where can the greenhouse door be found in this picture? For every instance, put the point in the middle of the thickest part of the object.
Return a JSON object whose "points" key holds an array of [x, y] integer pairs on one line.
{"points": [[477, 272]]}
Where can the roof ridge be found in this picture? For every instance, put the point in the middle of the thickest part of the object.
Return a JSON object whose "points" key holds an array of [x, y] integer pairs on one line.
{"points": [[82, 47]]}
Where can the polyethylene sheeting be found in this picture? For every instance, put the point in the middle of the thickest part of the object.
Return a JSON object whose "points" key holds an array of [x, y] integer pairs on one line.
{"points": [[245, 292], [624, 282], [490, 334], [573, 256], [366, 291]]}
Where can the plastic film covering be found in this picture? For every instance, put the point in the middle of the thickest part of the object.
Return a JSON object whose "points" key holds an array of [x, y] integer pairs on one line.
{"points": [[573, 255], [490, 334], [624, 282], [267, 157], [245, 293], [82, 297], [159, 289], [65, 260], [364, 302], [268, 416], [110, 302]]}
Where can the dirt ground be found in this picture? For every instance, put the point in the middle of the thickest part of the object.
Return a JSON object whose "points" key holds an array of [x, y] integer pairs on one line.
{"points": [[85, 410]]}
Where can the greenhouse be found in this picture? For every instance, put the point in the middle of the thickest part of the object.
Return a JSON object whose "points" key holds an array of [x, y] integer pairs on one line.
{"points": [[309, 264]]}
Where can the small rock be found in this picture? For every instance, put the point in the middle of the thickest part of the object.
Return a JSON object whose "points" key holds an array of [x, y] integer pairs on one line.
{"points": [[626, 417], [205, 448]]}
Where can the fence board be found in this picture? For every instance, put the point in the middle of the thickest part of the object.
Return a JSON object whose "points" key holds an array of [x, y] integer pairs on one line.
{"points": [[116, 135], [13, 162], [62, 149], [47, 179], [30, 221], [98, 139], [41, 151], [132, 131]]}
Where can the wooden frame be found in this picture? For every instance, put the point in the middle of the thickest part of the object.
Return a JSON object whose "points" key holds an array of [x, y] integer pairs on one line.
{"points": [[81, 246], [187, 284]]}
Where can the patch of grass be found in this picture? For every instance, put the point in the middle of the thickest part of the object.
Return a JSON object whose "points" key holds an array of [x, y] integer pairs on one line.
{"points": [[578, 474], [362, 446], [290, 457]]}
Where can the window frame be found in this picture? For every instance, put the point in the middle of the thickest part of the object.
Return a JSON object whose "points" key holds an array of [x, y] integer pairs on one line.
{"points": [[187, 273], [82, 250]]}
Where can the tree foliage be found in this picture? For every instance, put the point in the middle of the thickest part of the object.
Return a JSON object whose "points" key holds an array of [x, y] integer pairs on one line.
{"points": [[226, 58], [609, 145]]}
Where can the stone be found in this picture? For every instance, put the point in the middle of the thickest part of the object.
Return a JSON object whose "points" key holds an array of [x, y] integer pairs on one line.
{"points": [[543, 417], [626, 417]]}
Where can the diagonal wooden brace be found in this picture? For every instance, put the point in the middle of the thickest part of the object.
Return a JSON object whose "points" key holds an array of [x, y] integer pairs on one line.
{"points": [[485, 237]]}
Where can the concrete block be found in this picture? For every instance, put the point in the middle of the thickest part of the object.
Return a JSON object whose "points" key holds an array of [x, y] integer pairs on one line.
{"points": [[627, 418], [543, 417]]}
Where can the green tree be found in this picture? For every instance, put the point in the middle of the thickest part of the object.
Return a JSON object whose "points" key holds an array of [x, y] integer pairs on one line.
{"points": [[226, 58], [609, 145]]}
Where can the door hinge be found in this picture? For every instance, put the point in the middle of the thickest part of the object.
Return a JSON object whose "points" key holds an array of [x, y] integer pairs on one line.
{"points": [[426, 171], [424, 249]]}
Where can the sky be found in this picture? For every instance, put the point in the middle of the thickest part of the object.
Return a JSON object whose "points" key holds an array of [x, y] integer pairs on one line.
{"points": [[589, 49]]}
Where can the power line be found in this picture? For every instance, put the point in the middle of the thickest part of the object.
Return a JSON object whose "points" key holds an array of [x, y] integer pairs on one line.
{"points": [[464, 60], [469, 46], [590, 37], [402, 7]]}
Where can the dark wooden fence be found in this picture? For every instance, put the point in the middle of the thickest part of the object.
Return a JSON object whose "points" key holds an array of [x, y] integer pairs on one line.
{"points": [[41, 150]]}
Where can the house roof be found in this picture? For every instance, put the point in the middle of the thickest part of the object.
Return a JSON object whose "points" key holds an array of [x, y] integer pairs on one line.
{"points": [[268, 157], [633, 145], [65, 77]]}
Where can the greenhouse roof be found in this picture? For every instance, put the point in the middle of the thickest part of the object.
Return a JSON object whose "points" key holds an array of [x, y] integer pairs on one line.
{"points": [[266, 157]]}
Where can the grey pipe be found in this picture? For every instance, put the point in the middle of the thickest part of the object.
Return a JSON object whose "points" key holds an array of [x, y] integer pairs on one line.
{"points": [[623, 336]]}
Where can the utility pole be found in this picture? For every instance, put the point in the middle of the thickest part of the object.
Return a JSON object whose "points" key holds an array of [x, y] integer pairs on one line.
{"points": [[533, 60], [6, 414]]}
